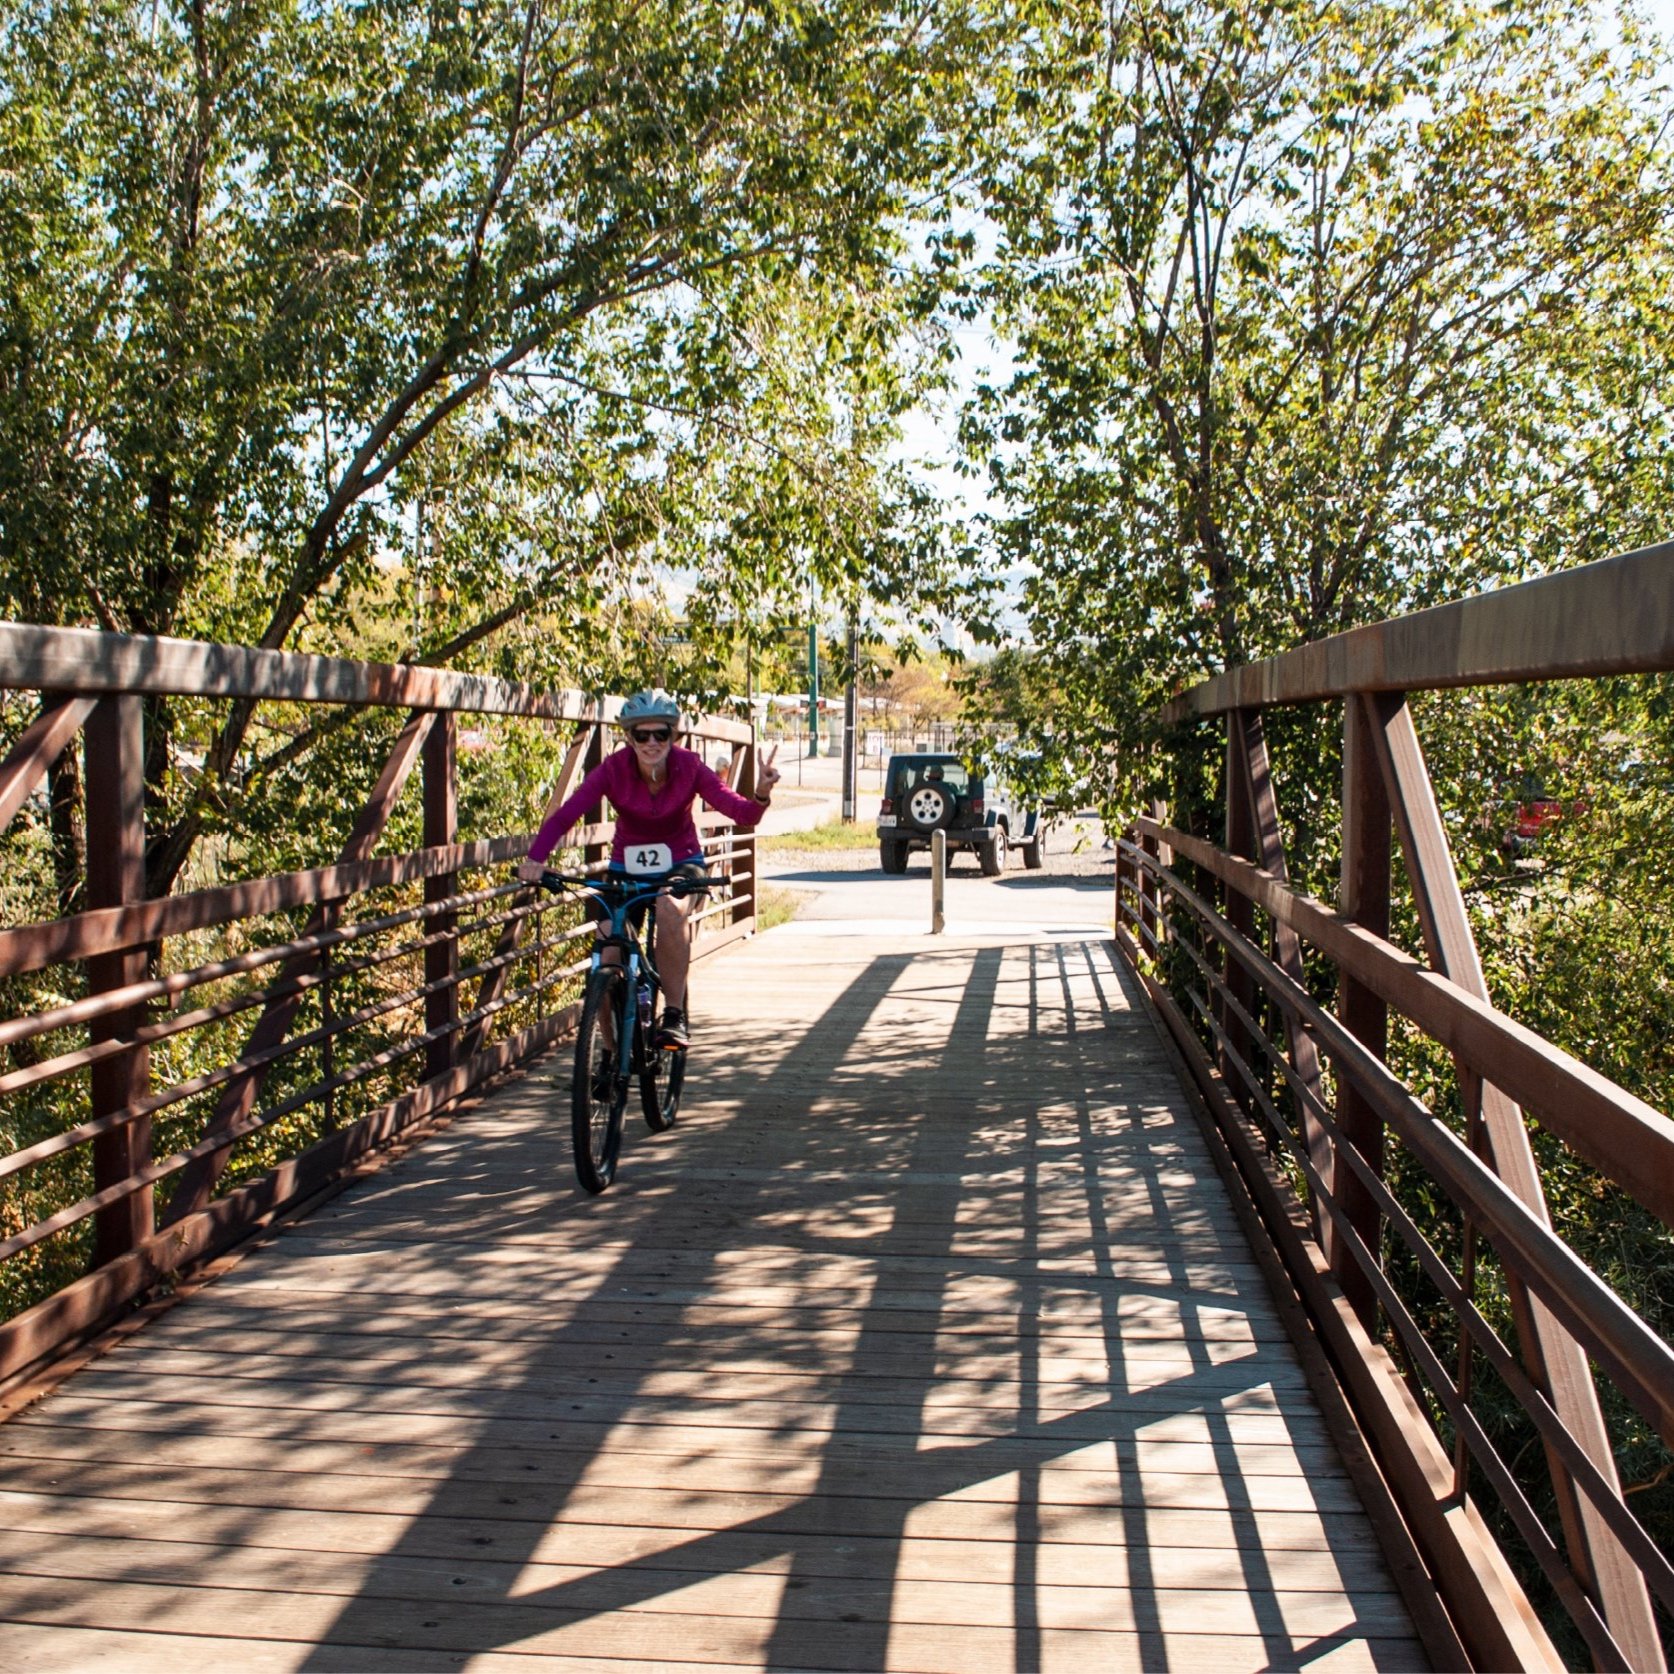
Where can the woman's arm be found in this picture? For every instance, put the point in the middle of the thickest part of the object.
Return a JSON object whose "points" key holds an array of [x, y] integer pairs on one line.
{"points": [[741, 810], [556, 826]]}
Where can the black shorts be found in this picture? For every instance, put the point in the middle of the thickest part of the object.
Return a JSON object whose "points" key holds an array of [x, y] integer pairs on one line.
{"points": [[600, 913]]}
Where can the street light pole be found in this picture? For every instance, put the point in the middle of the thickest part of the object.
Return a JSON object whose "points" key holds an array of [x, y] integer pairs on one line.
{"points": [[813, 673]]}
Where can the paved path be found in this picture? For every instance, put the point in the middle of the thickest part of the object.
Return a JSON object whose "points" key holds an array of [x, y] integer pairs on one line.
{"points": [[925, 1341]]}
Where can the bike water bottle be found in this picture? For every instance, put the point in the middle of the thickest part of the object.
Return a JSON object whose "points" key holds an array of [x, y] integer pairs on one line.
{"points": [[645, 1005]]}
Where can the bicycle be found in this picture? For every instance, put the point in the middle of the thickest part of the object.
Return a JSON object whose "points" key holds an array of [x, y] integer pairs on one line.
{"points": [[613, 1042]]}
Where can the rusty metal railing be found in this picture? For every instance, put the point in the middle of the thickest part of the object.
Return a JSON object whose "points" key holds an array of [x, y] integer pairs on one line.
{"points": [[1307, 1111], [176, 1071]]}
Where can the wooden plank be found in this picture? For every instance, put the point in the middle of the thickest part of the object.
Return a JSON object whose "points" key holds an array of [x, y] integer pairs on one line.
{"points": [[296, 1314], [68, 1428], [368, 1358], [743, 1590], [933, 1416], [53, 1547], [828, 1380], [1207, 1543], [828, 1639], [672, 1457], [982, 1510], [1142, 1318], [77, 1650]]}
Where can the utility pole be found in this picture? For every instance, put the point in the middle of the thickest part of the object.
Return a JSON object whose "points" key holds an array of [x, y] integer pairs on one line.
{"points": [[851, 722], [813, 671]]}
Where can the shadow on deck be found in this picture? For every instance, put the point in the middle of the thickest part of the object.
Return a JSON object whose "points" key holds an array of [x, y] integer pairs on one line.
{"points": [[926, 1340]]}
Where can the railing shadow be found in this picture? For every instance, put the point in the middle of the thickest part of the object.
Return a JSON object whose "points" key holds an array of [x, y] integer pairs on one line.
{"points": [[967, 1219]]}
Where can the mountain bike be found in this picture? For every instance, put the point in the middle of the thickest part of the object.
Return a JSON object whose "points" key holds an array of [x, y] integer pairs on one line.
{"points": [[614, 1045]]}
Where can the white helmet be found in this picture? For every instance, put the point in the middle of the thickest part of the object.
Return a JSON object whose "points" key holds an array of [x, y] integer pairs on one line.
{"points": [[652, 705]]}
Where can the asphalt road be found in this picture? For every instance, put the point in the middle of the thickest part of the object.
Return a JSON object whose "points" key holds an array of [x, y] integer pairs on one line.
{"points": [[849, 893]]}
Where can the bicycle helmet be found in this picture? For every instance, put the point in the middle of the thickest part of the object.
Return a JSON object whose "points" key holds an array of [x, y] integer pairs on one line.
{"points": [[652, 705]]}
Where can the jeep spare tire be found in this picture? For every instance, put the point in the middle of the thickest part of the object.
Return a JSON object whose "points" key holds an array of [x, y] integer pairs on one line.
{"points": [[929, 806]]}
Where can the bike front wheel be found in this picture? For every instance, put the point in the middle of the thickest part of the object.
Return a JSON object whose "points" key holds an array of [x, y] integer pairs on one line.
{"points": [[662, 1073], [599, 1092]]}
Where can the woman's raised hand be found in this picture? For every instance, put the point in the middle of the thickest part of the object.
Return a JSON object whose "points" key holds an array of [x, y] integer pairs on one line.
{"points": [[767, 775]]}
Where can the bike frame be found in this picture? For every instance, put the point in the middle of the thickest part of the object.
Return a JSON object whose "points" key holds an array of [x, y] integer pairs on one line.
{"points": [[619, 896]]}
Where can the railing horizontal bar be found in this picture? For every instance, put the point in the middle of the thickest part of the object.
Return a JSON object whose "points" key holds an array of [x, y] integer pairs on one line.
{"points": [[46, 1327], [1621, 1136], [150, 1034], [85, 660], [132, 994], [58, 1143], [1639, 1362], [1612, 617], [254, 1123], [31, 947]]}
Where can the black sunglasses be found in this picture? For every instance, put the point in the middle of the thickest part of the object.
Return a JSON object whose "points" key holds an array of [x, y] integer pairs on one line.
{"points": [[651, 735]]}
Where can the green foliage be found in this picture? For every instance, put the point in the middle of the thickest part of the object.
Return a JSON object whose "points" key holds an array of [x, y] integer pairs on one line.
{"points": [[1321, 314], [449, 335]]}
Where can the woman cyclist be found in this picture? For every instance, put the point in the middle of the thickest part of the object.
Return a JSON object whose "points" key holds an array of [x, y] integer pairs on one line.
{"points": [[652, 783]]}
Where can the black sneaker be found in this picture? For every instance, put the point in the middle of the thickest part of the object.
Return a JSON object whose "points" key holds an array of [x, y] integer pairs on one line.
{"points": [[672, 1033], [604, 1082]]}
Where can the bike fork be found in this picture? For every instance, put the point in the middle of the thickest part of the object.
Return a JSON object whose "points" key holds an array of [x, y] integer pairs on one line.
{"points": [[630, 1020]]}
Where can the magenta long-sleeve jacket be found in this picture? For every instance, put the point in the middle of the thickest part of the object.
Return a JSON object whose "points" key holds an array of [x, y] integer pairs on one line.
{"points": [[644, 814]]}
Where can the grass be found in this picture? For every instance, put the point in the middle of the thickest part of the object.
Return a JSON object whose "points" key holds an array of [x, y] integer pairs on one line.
{"points": [[776, 906], [834, 834]]}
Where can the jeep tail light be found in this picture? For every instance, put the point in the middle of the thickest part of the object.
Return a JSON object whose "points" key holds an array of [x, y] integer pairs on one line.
{"points": [[977, 806], [888, 805]]}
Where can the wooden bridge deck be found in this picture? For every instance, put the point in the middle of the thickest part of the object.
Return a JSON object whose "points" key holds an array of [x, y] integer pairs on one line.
{"points": [[925, 1341]]}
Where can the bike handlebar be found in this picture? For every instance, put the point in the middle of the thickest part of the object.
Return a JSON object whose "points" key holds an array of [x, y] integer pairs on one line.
{"points": [[631, 889]]}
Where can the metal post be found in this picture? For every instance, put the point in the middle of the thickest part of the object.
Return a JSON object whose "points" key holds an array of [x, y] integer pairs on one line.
{"points": [[441, 958], [1240, 910], [938, 881], [115, 752], [1368, 828]]}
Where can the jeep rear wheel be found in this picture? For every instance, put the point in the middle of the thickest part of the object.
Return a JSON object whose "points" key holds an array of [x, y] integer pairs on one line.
{"points": [[993, 855], [893, 853]]}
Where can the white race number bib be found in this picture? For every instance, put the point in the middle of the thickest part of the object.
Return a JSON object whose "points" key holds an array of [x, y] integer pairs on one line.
{"points": [[646, 860]]}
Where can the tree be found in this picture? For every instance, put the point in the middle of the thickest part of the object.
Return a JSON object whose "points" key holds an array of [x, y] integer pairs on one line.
{"points": [[1322, 313], [291, 287]]}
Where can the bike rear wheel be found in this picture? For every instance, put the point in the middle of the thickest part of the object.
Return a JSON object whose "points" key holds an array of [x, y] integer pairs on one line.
{"points": [[599, 1093]]}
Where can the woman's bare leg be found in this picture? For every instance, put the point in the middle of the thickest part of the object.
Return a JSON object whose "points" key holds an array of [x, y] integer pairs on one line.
{"points": [[674, 953]]}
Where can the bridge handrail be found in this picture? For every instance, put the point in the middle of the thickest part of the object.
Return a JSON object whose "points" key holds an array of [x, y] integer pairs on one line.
{"points": [[1624, 1138], [1615, 616], [365, 1005], [1228, 977]]}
